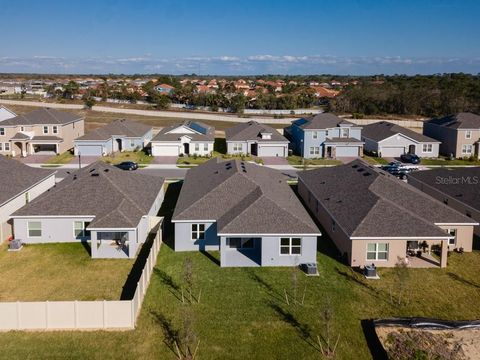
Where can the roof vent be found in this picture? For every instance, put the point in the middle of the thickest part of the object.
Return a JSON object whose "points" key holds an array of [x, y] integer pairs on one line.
{"points": [[216, 172], [106, 170], [458, 195], [360, 169], [366, 174], [327, 199], [95, 174], [323, 182], [354, 166], [74, 177]]}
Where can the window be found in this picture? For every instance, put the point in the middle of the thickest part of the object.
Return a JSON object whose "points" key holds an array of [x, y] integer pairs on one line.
{"points": [[198, 231], [7, 147], [467, 149], [55, 129], [132, 143], [344, 132], [452, 232], [314, 150], [377, 251], [22, 128], [314, 135], [197, 147], [80, 229], [427, 148], [34, 229], [326, 133], [45, 129], [27, 198], [205, 147], [241, 243], [2, 131], [468, 134], [1, 146], [290, 246], [237, 147]]}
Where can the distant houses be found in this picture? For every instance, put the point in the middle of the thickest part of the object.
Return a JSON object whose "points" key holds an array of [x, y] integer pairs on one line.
{"points": [[164, 89], [117, 136]]}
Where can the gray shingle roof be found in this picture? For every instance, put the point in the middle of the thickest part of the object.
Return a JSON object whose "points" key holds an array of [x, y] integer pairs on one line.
{"points": [[367, 202], [382, 130], [117, 198], [120, 127], [43, 116], [462, 184], [252, 130], [16, 177], [343, 141], [321, 121], [47, 138], [458, 121], [202, 132], [242, 198], [20, 136]]}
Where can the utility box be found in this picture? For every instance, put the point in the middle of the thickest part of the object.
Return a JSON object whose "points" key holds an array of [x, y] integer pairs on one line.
{"points": [[310, 268], [15, 245]]}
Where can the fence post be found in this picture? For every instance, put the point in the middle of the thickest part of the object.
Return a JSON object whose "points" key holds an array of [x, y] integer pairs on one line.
{"points": [[46, 314]]}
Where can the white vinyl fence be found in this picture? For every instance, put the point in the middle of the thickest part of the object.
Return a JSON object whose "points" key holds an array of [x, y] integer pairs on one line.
{"points": [[80, 315]]}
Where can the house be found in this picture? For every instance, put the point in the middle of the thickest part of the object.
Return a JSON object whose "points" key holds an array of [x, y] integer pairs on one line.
{"points": [[247, 212], [459, 134], [112, 209], [187, 138], [40, 131], [164, 89], [6, 113], [19, 184], [322, 92], [372, 217], [457, 188], [325, 136], [255, 139], [390, 140], [119, 135]]}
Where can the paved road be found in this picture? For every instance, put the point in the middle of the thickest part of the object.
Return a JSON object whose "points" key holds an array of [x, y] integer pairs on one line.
{"points": [[155, 113]]}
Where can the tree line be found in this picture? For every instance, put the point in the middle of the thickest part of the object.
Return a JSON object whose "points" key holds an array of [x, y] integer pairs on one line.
{"points": [[429, 96]]}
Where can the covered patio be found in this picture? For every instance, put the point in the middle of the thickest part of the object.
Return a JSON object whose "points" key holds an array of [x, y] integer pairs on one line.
{"points": [[420, 254]]}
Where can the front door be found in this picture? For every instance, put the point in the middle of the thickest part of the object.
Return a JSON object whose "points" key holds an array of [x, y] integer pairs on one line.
{"points": [[254, 149], [328, 152], [411, 149], [186, 148]]}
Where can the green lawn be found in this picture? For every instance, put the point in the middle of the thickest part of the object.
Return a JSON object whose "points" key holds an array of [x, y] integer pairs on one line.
{"points": [[446, 162], [375, 160], [243, 314], [300, 161], [60, 159], [60, 272], [139, 157]]}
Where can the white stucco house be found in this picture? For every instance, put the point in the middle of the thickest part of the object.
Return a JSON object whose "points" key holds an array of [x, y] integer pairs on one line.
{"points": [[19, 184], [187, 138], [390, 140]]}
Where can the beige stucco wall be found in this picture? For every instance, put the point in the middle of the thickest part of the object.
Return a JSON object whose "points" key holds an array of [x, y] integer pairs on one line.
{"points": [[461, 140], [464, 236]]}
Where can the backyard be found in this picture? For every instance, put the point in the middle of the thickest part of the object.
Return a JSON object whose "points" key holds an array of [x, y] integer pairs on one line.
{"points": [[60, 272], [243, 312]]}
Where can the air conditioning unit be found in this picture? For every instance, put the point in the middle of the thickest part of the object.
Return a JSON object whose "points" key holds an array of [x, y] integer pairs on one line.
{"points": [[15, 245], [370, 272], [310, 269]]}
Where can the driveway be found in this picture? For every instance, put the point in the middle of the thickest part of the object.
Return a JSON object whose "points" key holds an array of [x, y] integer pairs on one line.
{"points": [[346, 160], [35, 159], [274, 160], [85, 160], [165, 160]]}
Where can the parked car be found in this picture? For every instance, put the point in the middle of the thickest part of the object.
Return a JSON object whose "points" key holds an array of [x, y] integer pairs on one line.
{"points": [[410, 158], [398, 169], [128, 165]]}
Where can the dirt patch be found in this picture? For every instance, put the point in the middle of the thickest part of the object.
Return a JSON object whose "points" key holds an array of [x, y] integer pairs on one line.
{"points": [[403, 343]]}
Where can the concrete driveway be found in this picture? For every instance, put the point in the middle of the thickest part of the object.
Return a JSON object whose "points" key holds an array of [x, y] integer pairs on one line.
{"points": [[165, 160], [346, 160], [85, 160], [274, 160], [35, 159]]}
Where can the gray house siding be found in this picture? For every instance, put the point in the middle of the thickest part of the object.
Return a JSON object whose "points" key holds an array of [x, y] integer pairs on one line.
{"points": [[448, 138], [296, 135], [93, 148], [398, 145], [54, 230], [184, 242], [244, 147], [266, 252]]}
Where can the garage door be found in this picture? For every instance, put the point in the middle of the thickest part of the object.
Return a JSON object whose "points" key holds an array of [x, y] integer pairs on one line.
{"points": [[271, 150], [89, 150], [165, 150], [392, 151], [346, 151]]}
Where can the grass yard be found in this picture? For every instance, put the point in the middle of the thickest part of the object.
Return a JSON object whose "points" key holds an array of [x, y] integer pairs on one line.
{"points": [[296, 160], [375, 160], [243, 314], [60, 159], [59, 272], [446, 162], [139, 157]]}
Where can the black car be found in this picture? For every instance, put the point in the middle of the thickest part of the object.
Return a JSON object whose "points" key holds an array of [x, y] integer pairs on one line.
{"points": [[410, 158], [128, 165]]}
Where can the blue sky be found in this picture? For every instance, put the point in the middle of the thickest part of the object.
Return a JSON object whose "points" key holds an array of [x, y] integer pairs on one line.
{"points": [[240, 37]]}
